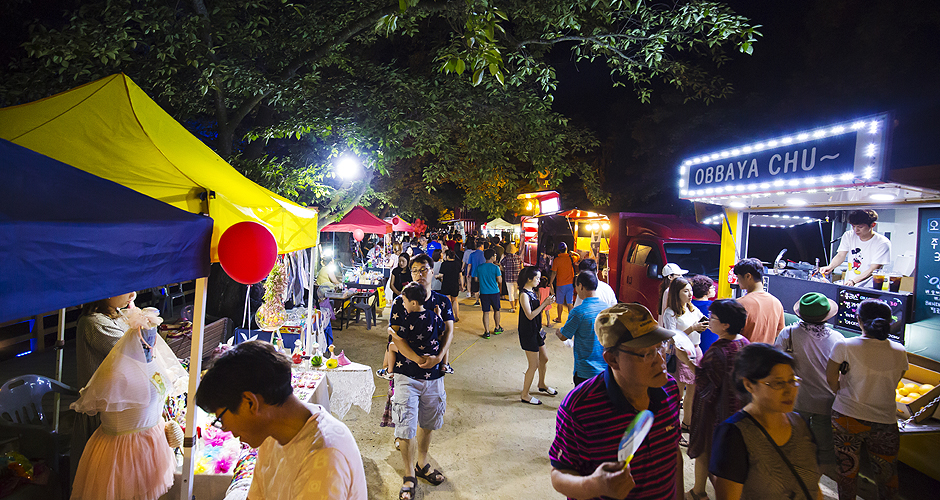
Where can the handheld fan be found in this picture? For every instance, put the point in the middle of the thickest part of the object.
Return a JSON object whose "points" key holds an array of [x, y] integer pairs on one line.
{"points": [[634, 435]]}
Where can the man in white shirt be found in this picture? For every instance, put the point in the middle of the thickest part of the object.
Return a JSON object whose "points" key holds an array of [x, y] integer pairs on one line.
{"points": [[867, 250], [304, 452], [604, 291]]}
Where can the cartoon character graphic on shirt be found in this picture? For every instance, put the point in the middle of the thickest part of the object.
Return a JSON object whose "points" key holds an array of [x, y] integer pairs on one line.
{"points": [[857, 261]]}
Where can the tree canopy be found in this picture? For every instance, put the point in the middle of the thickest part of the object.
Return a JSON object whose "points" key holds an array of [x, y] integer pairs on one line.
{"points": [[456, 93]]}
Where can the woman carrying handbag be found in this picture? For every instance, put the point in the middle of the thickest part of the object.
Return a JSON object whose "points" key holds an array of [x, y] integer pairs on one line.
{"points": [[765, 451]]}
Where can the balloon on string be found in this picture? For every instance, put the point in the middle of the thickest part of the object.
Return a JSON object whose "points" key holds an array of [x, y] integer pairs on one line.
{"points": [[247, 252], [358, 234]]}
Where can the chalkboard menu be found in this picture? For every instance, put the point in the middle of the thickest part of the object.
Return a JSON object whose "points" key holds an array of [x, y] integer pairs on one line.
{"points": [[927, 282], [850, 298]]}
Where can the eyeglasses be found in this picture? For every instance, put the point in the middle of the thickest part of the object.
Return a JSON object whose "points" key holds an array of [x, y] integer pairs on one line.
{"points": [[217, 423], [650, 356], [420, 271], [780, 384]]}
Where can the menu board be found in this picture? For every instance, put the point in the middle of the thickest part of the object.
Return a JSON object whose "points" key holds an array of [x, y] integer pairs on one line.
{"points": [[850, 298], [927, 282]]}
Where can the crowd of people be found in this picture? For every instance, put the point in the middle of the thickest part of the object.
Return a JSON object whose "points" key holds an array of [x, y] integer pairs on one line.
{"points": [[762, 408]]}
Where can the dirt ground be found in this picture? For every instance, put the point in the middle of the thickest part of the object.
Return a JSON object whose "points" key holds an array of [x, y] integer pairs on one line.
{"points": [[492, 445]]}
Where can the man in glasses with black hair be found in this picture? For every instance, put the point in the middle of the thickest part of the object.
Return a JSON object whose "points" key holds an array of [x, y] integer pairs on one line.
{"points": [[420, 399], [593, 417], [303, 451]]}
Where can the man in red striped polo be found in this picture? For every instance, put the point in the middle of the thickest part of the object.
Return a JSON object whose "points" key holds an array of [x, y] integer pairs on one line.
{"points": [[593, 417]]}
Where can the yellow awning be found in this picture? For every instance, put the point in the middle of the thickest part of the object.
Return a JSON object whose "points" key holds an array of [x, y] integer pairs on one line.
{"points": [[112, 129]]}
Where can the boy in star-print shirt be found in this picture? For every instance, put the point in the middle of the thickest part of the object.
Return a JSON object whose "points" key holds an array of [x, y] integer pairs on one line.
{"points": [[421, 328]]}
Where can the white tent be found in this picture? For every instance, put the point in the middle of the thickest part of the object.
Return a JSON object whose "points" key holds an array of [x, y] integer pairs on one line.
{"points": [[498, 224]]}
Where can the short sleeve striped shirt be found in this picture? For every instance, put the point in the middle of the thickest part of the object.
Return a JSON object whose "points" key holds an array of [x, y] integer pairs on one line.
{"points": [[591, 421]]}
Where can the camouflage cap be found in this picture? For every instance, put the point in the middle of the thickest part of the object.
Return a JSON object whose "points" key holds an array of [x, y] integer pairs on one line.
{"points": [[630, 325]]}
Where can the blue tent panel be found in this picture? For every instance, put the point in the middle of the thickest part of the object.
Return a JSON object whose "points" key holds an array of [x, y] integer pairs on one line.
{"points": [[68, 237]]}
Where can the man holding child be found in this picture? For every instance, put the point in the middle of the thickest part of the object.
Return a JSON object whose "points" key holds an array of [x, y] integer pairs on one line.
{"points": [[420, 399]]}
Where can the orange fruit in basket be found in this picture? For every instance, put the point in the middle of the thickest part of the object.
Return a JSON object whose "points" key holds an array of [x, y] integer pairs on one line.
{"points": [[906, 400], [904, 391], [900, 384], [897, 396], [913, 395], [925, 388]]}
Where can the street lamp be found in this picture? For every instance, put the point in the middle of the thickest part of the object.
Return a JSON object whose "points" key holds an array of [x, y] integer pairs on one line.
{"points": [[347, 166]]}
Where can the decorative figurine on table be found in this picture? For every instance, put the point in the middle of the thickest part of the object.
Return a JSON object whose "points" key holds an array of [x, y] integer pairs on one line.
{"points": [[272, 315], [316, 359], [130, 455]]}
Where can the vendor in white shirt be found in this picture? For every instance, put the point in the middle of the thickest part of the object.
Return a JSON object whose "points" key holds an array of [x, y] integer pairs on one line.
{"points": [[867, 250]]}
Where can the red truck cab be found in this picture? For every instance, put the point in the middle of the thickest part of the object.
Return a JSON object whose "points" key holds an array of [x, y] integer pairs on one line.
{"points": [[641, 244]]}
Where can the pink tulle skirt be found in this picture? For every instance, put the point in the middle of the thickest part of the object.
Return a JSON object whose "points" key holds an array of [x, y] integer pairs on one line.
{"points": [[137, 466]]}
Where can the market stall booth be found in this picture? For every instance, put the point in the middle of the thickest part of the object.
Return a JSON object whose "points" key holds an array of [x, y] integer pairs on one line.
{"points": [[110, 128], [363, 282], [68, 237], [785, 199], [399, 225], [505, 230]]}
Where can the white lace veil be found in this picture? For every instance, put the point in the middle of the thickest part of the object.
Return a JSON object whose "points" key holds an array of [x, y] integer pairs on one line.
{"points": [[124, 378]]}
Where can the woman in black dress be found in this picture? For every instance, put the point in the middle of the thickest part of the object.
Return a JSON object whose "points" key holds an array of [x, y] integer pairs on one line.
{"points": [[401, 275], [530, 332], [450, 280]]}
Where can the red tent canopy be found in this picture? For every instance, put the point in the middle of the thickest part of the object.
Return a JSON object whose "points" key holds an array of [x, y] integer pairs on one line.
{"points": [[402, 225], [359, 218]]}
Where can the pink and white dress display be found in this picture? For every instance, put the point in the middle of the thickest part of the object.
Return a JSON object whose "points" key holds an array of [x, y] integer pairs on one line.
{"points": [[128, 457]]}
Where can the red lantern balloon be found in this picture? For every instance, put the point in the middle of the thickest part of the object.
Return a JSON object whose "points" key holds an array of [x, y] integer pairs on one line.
{"points": [[395, 221], [358, 234], [247, 252]]}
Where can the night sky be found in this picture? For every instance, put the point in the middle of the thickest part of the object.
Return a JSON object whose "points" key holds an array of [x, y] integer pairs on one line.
{"points": [[817, 62]]}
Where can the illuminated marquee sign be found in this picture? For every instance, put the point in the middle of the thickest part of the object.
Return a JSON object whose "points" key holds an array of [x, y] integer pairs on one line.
{"points": [[839, 155]]}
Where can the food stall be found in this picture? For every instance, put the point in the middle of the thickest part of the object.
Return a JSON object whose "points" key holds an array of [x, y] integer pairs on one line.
{"points": [[804, 183], [545, 226]]}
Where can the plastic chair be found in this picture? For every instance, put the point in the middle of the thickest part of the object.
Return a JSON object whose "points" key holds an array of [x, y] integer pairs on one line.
{"points": [[170, 294], [21, 416], [367, 306], [21, 399]]}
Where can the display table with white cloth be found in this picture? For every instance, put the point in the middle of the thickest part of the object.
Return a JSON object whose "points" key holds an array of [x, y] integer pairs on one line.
{"points": [[310, 386], [349, 385]]}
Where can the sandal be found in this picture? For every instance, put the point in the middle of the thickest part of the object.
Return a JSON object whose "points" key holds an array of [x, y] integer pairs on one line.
{"points": [[531, 401], [683, 442], [434, 477], [407, 490], [685, 428], [551, 391], [691, 495]]}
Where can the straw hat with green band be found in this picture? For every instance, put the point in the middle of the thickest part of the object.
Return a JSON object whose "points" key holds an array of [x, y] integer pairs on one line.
{"points": [[815, 307], [629, 325]]}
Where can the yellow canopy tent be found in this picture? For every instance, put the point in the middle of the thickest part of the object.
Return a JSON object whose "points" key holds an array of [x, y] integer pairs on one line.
{"points": [[112, 129]]}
